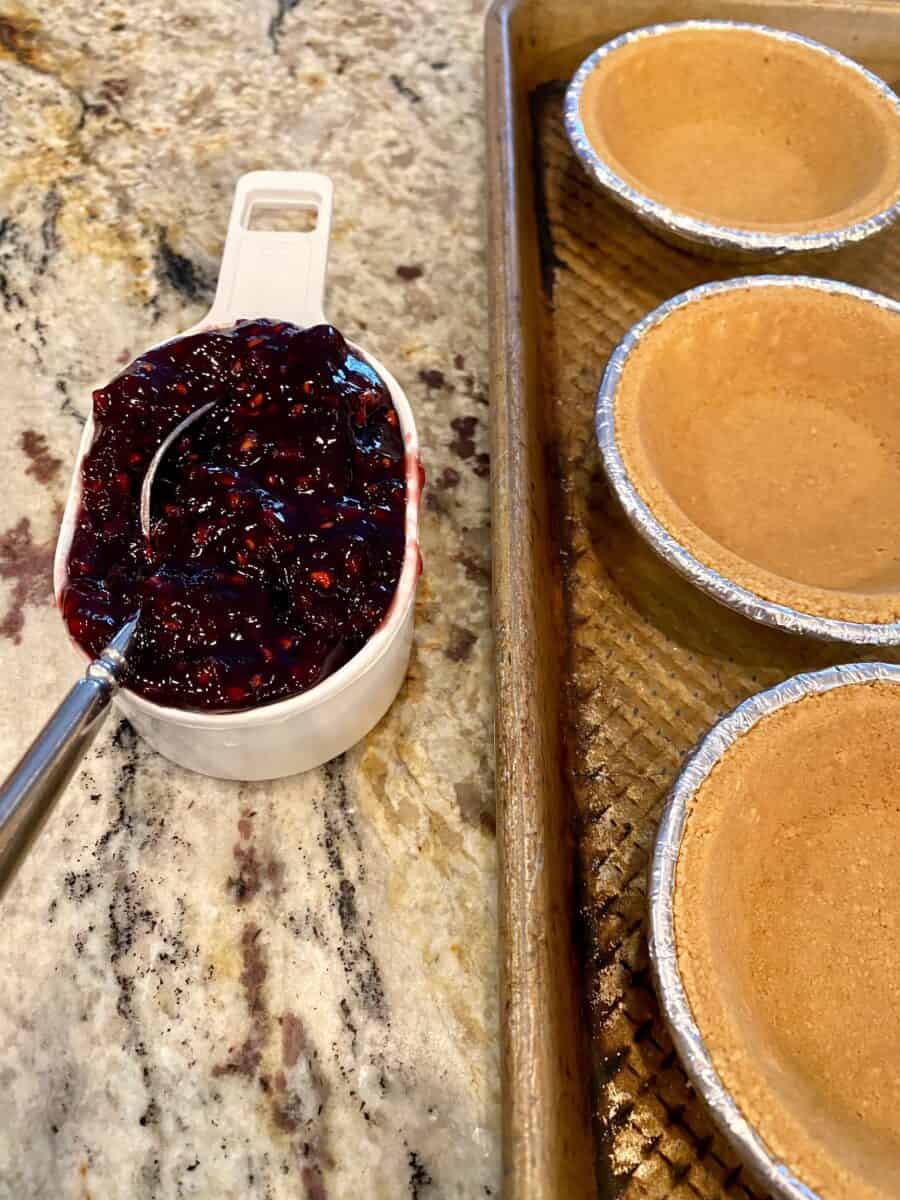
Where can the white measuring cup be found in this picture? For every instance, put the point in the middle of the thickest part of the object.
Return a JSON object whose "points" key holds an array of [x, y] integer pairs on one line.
{"points": [[280, 275]]}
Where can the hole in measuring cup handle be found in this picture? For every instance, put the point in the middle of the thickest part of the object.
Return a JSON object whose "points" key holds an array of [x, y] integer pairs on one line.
{"points": [[281, 216]]}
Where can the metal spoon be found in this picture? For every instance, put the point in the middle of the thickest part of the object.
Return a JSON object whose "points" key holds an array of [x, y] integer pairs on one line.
{"points": [[41, 775], [157, 458]]}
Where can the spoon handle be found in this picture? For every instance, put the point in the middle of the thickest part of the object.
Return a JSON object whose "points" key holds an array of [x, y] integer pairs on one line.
{"points": [[32, 788]]}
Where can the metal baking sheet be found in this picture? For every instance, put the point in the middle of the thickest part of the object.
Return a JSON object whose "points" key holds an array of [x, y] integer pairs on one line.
{"points": [[609, 665]]}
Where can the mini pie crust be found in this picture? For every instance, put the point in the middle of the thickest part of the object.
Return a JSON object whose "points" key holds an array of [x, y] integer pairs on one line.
{"points": [[787, 924], [761, 426], [744, 130]]}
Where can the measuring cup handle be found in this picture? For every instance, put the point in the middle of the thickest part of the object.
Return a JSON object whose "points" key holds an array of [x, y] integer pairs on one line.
{"points": [[269, 273]]}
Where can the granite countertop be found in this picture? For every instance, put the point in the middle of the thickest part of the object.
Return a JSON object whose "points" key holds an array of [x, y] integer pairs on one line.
{"points": [[270, 990]]}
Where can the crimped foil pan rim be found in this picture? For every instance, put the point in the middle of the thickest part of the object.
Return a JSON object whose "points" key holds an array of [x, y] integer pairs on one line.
{"points": [[727, 592], [721, 239], [688, 1039]]}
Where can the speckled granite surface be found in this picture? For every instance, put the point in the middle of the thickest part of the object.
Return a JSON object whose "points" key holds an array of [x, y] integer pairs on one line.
{"points": [[271, 990]]}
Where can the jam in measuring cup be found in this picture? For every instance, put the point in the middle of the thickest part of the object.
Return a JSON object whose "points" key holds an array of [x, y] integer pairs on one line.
{"points": [[277, 519]]}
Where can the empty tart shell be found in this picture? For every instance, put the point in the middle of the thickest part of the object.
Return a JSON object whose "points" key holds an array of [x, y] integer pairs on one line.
{"points": [[775, 915], [739, 135], [751, 430]]}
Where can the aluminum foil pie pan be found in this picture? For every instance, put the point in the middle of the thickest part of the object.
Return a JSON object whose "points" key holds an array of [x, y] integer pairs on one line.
{"points": [[733, 595], [775, 1176], [706, 238]]}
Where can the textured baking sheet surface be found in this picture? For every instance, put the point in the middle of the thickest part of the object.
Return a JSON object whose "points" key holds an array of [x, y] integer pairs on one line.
{"points": [[651, 663]]}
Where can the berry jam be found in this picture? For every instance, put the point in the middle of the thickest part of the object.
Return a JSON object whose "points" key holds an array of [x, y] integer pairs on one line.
{"points": [[277, 523]]}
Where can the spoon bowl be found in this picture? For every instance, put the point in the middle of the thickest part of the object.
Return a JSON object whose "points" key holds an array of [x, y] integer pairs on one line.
{"points": [[164, 447]]}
